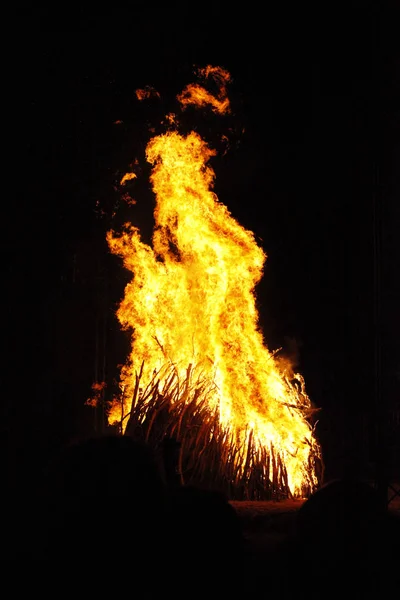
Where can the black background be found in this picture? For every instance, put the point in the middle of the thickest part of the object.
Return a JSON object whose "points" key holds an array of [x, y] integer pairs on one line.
{"points": [[314, 153]]}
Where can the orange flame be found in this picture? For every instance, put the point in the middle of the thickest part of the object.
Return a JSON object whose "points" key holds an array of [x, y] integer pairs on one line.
{"points": [[196, 94], [127, 177], [146, 93], [191, 300]]}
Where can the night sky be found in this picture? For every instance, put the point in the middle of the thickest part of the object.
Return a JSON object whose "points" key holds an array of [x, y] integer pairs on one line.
{"points": [[314, 143]]}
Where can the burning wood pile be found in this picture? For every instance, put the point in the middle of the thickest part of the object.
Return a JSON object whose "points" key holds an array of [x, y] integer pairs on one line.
{"points": [[199, 370]]}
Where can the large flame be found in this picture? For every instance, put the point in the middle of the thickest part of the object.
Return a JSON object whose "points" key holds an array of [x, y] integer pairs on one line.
{"points": [[191, 300]]}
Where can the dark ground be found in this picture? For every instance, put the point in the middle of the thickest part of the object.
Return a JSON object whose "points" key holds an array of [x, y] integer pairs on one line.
{"points": [[276, 565], [268, 523]]}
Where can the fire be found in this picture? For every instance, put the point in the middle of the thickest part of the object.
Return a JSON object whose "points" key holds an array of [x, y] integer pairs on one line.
{"points": [[197, 95], [191, 304]]}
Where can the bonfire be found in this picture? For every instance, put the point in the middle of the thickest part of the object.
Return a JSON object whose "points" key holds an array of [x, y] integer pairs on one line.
{"points": [[199, 370]]}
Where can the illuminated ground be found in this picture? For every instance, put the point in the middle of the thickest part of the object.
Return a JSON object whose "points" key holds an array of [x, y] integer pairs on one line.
{"points": [[268, 524]]}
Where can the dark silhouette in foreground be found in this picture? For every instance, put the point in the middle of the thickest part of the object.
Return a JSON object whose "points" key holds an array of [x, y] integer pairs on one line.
{"points": [[97, 517], [103, 516], [207, 542], [352, 540], [338, 543]]}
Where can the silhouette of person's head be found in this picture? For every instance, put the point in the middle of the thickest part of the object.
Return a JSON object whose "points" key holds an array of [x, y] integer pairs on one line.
{"points": [[103, 499], [340, 509], [341, 533], [207, 541]]}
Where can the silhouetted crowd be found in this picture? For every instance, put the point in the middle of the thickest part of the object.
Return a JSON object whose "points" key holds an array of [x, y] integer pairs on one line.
{"points": [[104, 517]]}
